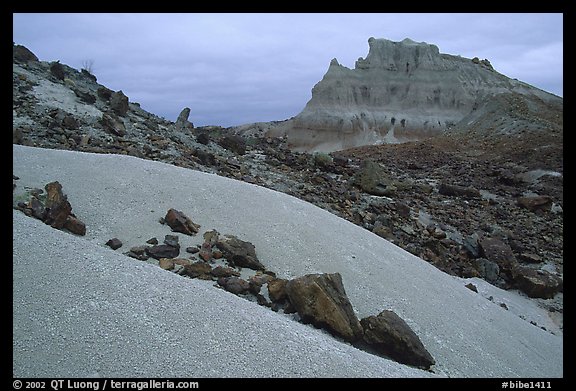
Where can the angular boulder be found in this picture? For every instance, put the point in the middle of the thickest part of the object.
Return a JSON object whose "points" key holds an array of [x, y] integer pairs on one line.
{"points": [[320, 299], [113, 125], [234, 285], [221, 271], [277, 290], [233, 143], [373, 179], [458, 191], [57, 205], [22, 54], [119, 103], [390, 335], [199, 270], [535, 203], [537, 283], [162, 251], [179, 222], [498, 252], [239, 252]]}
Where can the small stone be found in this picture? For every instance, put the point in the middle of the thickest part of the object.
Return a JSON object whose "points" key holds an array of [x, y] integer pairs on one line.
{"points": [[234, 285], [211, 237], [192, 250], [172, 240], [205, 252], [277, 290], [199, 270], [166, 263], [162, 251], [152, 241], [472, 287], [114, 243], [503, 305], [220, 271]]}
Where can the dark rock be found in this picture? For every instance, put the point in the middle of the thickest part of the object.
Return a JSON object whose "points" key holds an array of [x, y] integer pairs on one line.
{"points": [[206, 158], [69, 122], [17, 136], [239, 252], [192, 250], [537, 283], [57, 205], [211, 237], [205, 252], [182, 122], [340, 161], [472, 287], [470, 244], [179, 222], [220, 271], [373, 179], [152, 241], [114, 243], [203, 138], [234, 285], [488, 270], [390, 335], [138, 252], [256, 281], [166, 263], [199, 269], [499, 252], [535, 203], [320, 299], [530, 258], [75, 226], [113, 125], [38, 209], [458, 191], [162, 251], [85, 96], [277, 290], [87, 75], [104, 93], [57, 70], [233, 143], [22, 54], [172, 240], [119, 103]]}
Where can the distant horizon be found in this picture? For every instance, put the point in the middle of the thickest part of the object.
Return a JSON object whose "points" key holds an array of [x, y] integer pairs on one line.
{"points": [[235, 69]]}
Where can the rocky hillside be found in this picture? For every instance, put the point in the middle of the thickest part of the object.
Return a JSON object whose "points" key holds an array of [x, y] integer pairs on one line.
{"points": [[400, 91], [483, 200]]}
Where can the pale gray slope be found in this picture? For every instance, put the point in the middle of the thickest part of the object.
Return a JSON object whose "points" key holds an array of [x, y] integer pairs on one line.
{"points": [[123, 196], [81, 310]]}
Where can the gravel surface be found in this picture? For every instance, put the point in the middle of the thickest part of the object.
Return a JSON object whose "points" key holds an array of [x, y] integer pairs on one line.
{"points": [[81, 309]]}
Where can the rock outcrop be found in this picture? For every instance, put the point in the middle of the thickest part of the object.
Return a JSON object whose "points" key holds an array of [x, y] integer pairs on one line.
{"points": [[400, 91], [320, 299]]}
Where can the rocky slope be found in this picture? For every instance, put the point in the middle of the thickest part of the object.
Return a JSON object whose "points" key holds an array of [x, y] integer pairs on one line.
{"points": [[402, 90], [82, 309], [483, 200]]}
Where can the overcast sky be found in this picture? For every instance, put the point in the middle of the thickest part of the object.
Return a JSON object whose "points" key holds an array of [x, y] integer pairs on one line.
{"points": [[232, 69]]}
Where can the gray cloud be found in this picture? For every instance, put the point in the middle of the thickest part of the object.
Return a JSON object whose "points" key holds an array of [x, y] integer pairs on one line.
{"points": [[238, 68]]}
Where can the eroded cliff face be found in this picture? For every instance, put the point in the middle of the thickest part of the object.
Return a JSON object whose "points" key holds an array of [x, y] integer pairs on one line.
{"points": [[400, 91]]}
